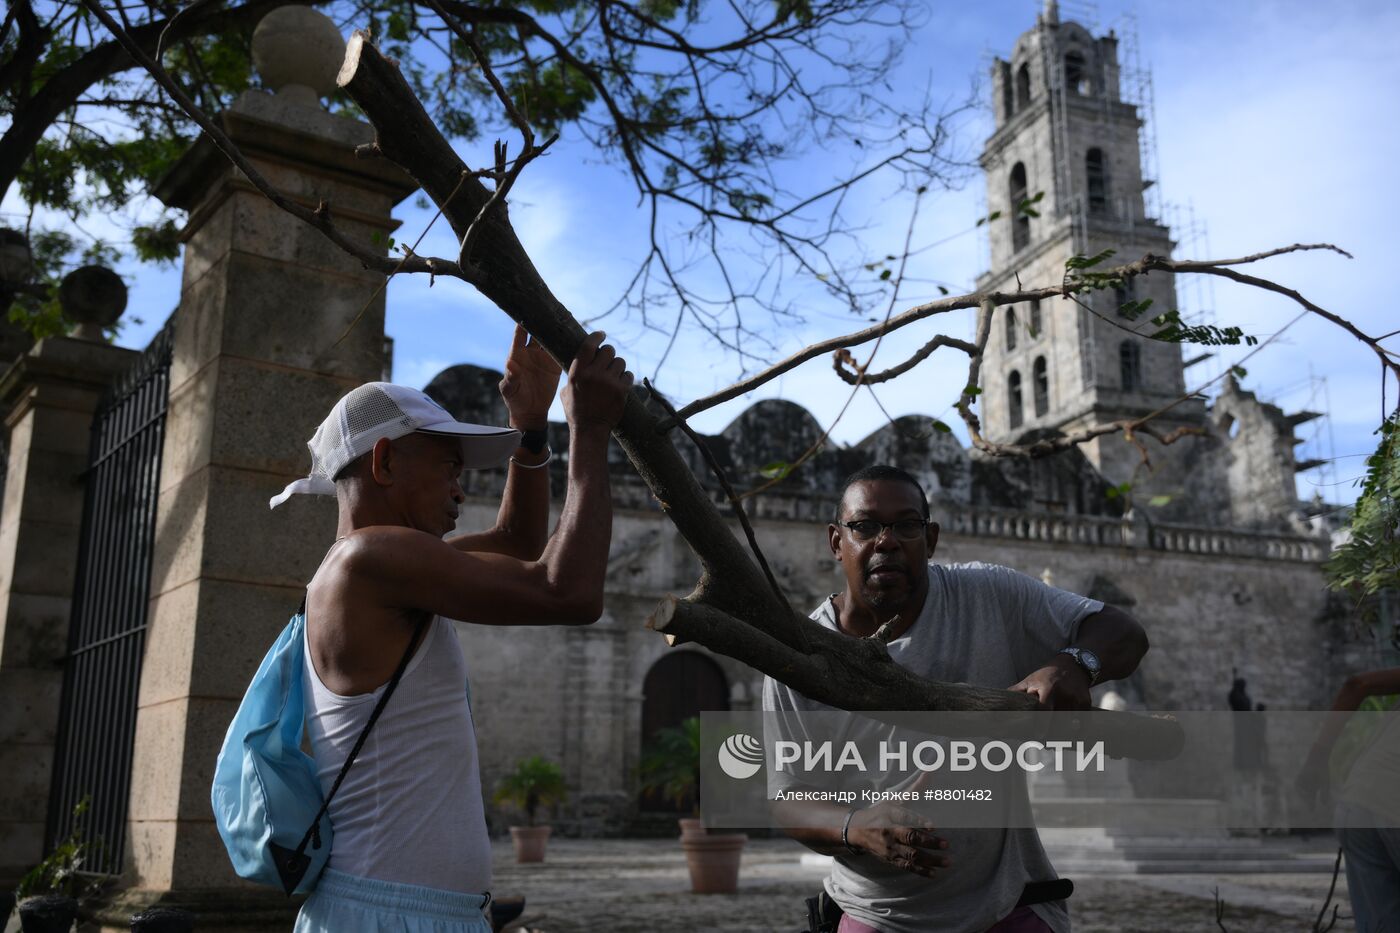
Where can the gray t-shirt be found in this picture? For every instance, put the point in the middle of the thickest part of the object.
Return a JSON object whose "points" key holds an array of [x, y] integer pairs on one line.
{"points": [[988, 626]]}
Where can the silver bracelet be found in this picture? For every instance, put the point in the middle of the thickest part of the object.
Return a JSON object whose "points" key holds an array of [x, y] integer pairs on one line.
{"points": [[846, 828], [534, 466]]}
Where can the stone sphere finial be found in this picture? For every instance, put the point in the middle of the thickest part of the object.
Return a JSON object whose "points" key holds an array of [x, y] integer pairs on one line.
{"points": [[298, 52], [93, 297]]}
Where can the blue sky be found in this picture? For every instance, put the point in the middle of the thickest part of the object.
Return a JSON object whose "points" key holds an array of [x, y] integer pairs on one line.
{"points": [[1272, 123]]}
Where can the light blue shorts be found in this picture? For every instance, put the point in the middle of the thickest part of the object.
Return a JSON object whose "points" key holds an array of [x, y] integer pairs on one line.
{"points": [[345, 903]]}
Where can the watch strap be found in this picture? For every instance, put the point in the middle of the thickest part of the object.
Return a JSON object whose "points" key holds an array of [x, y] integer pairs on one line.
{"points": [[534, 439]]}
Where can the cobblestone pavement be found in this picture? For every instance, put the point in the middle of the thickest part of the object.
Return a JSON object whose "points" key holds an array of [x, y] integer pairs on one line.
{"points": [[641, 886]]}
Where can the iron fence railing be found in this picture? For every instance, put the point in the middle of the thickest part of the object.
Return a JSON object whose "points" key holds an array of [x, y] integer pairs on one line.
{"points": [[106, 635]]}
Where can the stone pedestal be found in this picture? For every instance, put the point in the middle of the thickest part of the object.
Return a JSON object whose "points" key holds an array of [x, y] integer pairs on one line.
{"points": [[50, 393], [275, 324]]}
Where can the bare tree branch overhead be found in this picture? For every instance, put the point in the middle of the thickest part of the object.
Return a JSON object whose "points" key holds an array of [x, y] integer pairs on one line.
{"points": [[706, 131]]}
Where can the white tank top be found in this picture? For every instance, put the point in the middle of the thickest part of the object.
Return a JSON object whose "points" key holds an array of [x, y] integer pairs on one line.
{"points": [[410, 807]]}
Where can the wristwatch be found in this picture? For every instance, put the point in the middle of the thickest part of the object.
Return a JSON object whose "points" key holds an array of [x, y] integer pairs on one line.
{"points": [[534, 439], [1087, 660]]}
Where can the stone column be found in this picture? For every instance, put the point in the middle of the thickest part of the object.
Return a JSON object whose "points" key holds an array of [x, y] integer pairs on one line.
{"points": [[275, 324], [50, 393]]}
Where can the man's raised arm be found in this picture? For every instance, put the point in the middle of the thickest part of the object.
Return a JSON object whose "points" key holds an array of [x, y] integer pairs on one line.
{"points": [[411, 569], [522, 523]]}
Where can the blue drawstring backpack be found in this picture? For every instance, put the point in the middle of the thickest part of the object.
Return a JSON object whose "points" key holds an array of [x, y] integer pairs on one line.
{"points": [[266, 795], [267, 798]]}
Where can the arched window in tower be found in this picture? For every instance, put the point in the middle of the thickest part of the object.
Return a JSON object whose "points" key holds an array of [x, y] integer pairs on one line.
{"points": [[1036, 323], [1013, 389], [1130, 365], [1077, 74], [1098, 182], [1023, 87], [1020, 220], [1011, 328], [1040, 387]]}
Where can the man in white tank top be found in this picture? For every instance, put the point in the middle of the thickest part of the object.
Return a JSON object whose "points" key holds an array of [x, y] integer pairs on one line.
{"points": [[410, 850]]}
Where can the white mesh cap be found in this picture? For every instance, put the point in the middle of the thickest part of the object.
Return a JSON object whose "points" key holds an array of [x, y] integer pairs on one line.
{"points": [[382, 409]]}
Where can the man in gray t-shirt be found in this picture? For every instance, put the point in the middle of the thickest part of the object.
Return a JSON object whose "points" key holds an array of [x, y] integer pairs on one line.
{"points": [[979, 624]]}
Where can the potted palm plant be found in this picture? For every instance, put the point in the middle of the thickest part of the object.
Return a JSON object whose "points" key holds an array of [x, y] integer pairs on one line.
{"points": [[670, 767], [534, 783]]}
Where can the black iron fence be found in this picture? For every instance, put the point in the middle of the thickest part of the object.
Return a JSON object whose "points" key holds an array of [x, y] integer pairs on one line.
{"points": [[107, 627]]}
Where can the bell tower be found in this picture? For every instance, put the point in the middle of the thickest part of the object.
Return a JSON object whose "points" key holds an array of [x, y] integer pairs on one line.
{"points": [[1064, 178]]}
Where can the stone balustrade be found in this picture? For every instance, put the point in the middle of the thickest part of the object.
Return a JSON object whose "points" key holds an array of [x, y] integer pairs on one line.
{"points": [[1047, 527], [1106, 531]]}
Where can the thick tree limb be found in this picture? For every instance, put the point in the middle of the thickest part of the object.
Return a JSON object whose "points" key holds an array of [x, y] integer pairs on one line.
{"points": [[739, 512], [733, 609], [504, 273], [861, 672]]}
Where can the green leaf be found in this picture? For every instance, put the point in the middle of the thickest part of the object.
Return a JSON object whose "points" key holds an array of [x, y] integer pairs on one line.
{"points": [[778, 469], [885, 275], [535, 782], [941, 428], [1132, 310], [1239, 372], [159, 243], [1159, 501], [397, 26], [1087, 262], [972, 390], [942, 290]]}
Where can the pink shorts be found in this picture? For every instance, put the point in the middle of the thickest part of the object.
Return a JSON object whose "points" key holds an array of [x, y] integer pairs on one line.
{"points": [[1020, 920]]}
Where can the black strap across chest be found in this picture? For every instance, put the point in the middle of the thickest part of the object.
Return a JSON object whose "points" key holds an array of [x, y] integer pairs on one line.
{"points": [[293, 863]]}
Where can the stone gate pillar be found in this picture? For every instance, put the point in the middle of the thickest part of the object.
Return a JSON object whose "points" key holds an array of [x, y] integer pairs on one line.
{"points": [[258, 361], [51, 393]]}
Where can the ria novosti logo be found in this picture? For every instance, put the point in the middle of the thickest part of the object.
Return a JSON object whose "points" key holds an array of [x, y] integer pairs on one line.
{"points": [[741, 756]]}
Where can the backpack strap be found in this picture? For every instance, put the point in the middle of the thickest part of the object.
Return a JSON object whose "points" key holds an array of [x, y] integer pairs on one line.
{"points": [[313, 835]]}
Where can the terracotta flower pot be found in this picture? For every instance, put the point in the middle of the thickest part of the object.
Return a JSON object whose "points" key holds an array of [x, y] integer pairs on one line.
{"points": [[691, 827], [529, 842], [714, 861]]}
